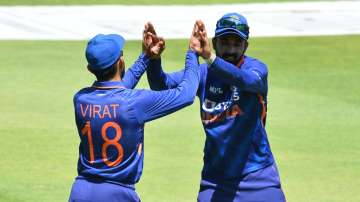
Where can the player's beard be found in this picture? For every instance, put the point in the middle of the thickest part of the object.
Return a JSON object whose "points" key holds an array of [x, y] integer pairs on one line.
{"points": [[232, 58]]}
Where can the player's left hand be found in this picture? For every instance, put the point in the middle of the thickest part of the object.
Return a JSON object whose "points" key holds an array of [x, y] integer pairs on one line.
{"points": [[152, 45]]}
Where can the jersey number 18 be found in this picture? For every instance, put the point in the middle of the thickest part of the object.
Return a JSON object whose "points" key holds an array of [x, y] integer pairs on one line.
{"points": [[115, 142]]}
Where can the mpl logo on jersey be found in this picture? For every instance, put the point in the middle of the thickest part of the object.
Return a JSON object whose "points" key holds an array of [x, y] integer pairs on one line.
{"points": [[216, 90]]}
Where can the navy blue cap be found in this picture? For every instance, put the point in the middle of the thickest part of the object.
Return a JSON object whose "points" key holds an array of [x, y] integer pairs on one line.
{"points": [[104, 50], [232, 23]]}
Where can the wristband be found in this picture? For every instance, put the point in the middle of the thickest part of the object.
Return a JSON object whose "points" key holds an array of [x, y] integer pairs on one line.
{"points": [[211, 59]]}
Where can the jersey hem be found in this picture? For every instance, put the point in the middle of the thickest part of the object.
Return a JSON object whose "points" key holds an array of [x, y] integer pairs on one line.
{"points": [[244, 173], [100, 180]]}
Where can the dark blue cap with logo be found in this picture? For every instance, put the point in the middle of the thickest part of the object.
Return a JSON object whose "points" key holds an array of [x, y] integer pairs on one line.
{"points": [[232, 23], [104, 50]]}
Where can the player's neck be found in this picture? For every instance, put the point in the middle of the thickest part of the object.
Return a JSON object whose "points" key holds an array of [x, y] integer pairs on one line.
{"points": [[116, 78]]}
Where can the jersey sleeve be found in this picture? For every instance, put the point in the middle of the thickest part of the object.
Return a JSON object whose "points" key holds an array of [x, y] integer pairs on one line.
{"points": [[251, 77], [134, 73], [150, 104], [159, 80]]}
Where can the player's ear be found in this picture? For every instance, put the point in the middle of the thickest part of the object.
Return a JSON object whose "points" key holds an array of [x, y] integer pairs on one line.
{"points": [[89, 69], [121, 63], [246, 46]]}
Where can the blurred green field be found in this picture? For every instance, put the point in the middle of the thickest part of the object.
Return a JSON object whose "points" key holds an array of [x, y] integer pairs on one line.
{"points": [[134, 2], [313, 121]]}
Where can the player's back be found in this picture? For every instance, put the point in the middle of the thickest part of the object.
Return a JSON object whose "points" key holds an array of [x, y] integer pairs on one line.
{"points": [[110, 120], [111, 136]]}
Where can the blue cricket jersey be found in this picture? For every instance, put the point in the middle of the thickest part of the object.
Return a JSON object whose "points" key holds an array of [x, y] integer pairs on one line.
{"points": [[110, 118], [233, 112]]}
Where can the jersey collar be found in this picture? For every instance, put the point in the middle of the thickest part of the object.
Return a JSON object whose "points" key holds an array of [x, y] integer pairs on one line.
{"points": [[107, 84], [242, 60]]}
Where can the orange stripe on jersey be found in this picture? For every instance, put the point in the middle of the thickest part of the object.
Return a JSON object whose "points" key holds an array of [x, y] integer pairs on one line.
{"points": [[263, 114], [241, 61], [139, 149]]}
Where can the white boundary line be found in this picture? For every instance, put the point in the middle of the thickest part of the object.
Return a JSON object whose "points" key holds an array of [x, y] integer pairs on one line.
{"points": [[265, 19]]}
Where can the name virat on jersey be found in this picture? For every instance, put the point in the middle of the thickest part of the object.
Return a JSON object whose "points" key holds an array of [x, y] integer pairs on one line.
{"points": [[101, 111]]}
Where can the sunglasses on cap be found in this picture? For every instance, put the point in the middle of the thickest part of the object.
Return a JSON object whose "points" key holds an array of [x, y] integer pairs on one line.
{"points": [[232, 23]]}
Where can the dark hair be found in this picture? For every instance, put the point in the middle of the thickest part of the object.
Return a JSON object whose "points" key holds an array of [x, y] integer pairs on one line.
{"points": [[105, 74]]}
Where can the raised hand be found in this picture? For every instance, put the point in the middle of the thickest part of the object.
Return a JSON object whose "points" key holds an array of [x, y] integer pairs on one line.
{"points": [[147, 40], [195, 43], [199, 41], [152, 45], [204, 40]]}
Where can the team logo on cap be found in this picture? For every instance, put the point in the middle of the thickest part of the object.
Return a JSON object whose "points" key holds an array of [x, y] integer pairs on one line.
{"points": [[235, 17]]}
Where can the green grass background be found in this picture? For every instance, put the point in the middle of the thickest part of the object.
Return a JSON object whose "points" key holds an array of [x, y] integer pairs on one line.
{"points": [[134, 2], [313, 121]]}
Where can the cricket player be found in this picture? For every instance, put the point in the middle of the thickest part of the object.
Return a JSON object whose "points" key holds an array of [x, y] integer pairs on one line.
{"points": [[238, 162], [110, 117]]}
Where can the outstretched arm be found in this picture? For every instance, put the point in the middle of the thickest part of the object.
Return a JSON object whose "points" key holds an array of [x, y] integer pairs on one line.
{"points": [[157, 78], [252, 78], [150, 105], [134, 73], [152, 47], [155, 104]]}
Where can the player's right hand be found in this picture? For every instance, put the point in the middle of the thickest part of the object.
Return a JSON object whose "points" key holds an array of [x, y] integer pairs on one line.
{"points": [[194, 42], [204, 40], [152, 44], [199, 41]]}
